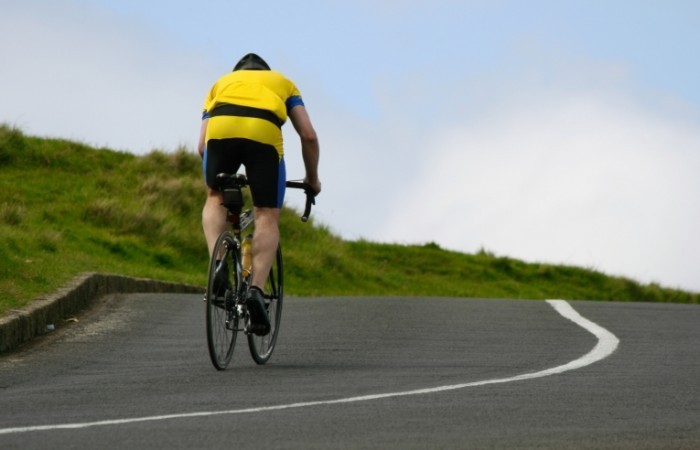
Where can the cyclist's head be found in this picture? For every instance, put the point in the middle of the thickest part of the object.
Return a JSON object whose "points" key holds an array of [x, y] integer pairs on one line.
{"points": [[251, 61]]}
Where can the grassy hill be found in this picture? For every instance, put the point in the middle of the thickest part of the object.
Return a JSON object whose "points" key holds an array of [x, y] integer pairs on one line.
{"points": [[67, 208]]}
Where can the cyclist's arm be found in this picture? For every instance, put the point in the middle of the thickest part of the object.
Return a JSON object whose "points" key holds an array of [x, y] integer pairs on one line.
{"points": [[309, 144], [202, 136]]}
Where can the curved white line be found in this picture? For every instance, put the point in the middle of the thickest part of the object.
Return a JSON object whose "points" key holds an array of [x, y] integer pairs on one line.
{"points": [[607, 343]]}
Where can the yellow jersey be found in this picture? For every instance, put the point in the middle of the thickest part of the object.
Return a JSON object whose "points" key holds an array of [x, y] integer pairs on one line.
{"points": [[265, 91]]}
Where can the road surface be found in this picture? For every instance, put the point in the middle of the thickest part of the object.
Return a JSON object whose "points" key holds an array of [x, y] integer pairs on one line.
{"points": [[360, 373]]}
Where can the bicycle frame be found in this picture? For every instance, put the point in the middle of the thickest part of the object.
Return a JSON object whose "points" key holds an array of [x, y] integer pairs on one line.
{"points": [[226, 310]]}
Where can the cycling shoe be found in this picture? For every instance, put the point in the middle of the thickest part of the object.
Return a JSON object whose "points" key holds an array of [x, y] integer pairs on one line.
{"points": [[259, 322]]}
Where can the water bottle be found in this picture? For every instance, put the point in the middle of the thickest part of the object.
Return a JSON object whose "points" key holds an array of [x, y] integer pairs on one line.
{"points": [[247, 255]]}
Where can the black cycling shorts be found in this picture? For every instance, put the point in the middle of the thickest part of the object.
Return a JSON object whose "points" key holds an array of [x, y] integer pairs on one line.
{"points": [[265, 170]]}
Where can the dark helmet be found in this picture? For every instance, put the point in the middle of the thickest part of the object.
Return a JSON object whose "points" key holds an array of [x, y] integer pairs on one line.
{"points": [[251, 61]]}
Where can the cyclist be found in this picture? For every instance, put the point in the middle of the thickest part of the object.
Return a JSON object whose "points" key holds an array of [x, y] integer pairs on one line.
{"points": [[241, 125]]}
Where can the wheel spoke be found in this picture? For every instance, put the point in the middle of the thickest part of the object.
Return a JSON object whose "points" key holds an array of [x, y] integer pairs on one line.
{"points": [[222, 318], [261, 347]]}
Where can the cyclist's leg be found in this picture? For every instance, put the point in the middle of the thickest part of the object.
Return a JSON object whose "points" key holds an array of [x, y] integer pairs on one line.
{"points": [[213, 218], [265, 242], [266, 180], [267, 177], [220, 155]]}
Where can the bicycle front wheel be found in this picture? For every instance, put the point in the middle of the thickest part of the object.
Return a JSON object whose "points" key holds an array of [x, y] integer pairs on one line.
{"points": [[222, 289], [261, 347]]}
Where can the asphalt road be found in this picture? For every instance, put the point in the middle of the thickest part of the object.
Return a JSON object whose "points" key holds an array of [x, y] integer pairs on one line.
{"points": [[135, 372]]}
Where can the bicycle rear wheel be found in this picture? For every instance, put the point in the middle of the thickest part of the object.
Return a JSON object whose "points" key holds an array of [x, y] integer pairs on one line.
{"points": [[222, 289], [261, 347]]}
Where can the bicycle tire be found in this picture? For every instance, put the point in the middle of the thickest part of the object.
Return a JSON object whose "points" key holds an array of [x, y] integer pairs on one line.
{"points": [[222, 316], [261, 347]]}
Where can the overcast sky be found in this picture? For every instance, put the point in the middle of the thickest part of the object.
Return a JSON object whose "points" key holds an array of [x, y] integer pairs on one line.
{"points": [[549, 131]]}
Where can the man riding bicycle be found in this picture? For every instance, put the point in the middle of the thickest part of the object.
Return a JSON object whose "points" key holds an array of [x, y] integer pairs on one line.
{"points": [[241, 125]]}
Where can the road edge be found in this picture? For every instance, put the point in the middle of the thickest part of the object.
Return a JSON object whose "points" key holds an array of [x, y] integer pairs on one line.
{"points": [[19, 326]]}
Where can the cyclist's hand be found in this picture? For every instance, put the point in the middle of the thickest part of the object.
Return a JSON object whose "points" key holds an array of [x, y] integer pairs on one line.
{"points": [[315, 185]]}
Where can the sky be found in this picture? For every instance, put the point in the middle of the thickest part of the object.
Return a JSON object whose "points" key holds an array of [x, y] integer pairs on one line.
{"points": [[562, 132]]}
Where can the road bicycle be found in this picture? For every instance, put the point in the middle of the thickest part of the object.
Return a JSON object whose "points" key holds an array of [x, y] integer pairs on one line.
{"points": [[230, 276]]}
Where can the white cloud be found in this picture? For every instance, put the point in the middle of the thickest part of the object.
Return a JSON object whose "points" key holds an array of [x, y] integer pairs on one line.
{"points": [[522, 146], [580, 178], [107, 80], [573, 163]]}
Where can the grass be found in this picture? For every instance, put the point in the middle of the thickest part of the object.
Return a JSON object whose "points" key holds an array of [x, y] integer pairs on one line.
{"points": [[68, 208]]}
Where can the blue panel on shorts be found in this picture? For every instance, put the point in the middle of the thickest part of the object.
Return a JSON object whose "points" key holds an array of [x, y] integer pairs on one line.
{"points": [[281, 182]]}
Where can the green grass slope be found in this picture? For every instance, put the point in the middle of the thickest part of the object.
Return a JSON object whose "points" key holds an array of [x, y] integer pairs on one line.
{"points": [[67, 208]]}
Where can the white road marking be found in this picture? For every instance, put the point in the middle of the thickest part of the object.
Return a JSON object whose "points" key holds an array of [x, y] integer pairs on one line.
{"points": [[607, 344]]}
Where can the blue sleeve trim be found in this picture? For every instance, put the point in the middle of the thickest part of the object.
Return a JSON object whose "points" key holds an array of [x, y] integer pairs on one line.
{"points": [[294, 101], [205, 115]]}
